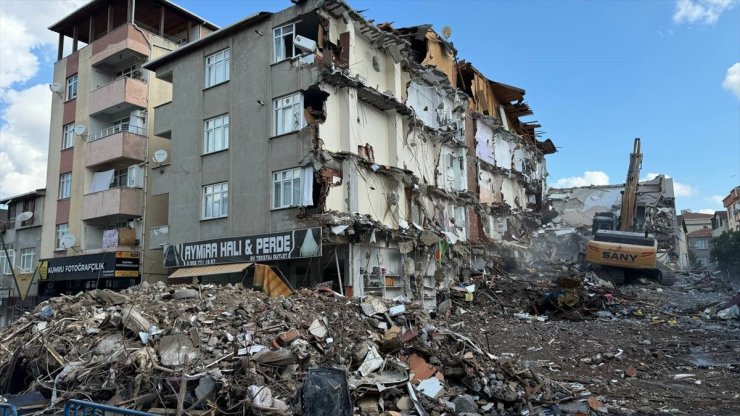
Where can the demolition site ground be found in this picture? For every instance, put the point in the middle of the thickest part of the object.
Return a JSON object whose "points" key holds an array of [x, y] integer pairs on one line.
{"points": [[546, 340]]}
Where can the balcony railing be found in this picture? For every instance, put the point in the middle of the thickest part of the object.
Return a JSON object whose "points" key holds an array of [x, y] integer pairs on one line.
{"points": [[118, 128]]}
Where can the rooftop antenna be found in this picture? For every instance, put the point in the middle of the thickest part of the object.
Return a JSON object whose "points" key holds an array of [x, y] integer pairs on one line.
{"points": [[446, 32]]}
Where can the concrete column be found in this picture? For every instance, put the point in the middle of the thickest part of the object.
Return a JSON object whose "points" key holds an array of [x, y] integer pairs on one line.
{"points": [[75, 37], [110, 19], [60, 47], [130, 11], [161, 21], [91, 33]]}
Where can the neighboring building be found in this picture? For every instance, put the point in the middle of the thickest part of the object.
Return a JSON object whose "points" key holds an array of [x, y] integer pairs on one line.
{"points": [[656, 213], [100, 142], [698, 230], [719, 223], [732, 203], [337, 150], [23, 244]]}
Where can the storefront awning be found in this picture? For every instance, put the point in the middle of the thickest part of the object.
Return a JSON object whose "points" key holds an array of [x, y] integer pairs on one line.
{"points": [[209, 270]]}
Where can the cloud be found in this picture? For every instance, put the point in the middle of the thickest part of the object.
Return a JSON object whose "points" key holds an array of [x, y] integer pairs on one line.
{"points": [[589, 178], [650, 176], [23, 140], [683, 190], [705, 12], [705, 211], [732, 80]]}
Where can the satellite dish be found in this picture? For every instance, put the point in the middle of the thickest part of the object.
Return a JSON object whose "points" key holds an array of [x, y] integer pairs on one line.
{"points": [[24, 216], [79, 129], [55, 87], [67, 241], [446, 32], [160, 156]]}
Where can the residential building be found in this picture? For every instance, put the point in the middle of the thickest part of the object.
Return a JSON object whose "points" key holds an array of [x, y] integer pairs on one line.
{"points": [[732, 203], [719, 223], [20, 230], [698, 230], [332, 149], [100, 142]]}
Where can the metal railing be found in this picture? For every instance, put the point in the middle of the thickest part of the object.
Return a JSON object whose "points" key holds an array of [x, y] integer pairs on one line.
{"points": [[7, 409], [83, 408], [118, 128]]}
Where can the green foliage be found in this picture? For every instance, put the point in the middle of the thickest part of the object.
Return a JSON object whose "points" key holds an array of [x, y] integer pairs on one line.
{"points": [[726, 252]]}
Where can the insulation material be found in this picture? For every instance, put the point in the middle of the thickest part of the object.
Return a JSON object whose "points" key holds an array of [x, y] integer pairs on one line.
{"points": [[519, 159], [484, 142], [490, 187], [452, 169], [514, 194], [381, 197], [440, 57], [502, 152]]}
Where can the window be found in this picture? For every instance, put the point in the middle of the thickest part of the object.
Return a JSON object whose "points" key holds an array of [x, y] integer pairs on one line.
{"points": [[216, 200], [217, 68], [65, 185], [4, 263], [62, 230], [120, 178], [288, 113], [12, 215], [72, 87], [68, 137], [284, 47], [27, 255], [286, 188], [216, 134], [131, 72], [700, 244]]}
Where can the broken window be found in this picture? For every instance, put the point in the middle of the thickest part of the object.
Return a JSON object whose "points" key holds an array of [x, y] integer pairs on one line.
{"points": [[288, 114], [284, 38], [62, 230], [453, 172], [314, 100]]}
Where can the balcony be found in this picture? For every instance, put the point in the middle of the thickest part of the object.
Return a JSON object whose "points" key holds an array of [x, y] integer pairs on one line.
{"points": [[113, 205], [119, 146], [119, 95], [163, 120], [123, 44]]}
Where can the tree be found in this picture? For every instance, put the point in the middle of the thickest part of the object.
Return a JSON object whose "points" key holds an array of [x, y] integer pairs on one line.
{"points": [[726, 252]]}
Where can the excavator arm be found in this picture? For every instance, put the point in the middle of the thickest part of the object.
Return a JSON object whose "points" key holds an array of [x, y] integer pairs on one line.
{"points": [[629, 198]]}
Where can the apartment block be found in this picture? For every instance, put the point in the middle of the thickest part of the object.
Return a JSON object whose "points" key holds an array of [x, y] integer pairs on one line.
{"points": [[732, 203], [98, 209], [20, 234], [336, 150]]}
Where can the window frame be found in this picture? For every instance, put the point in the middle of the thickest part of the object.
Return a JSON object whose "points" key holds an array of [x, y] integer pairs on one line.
{"points": [[278, 108], [225, 59], [24, 255], [281, 36], [68, 136], [224, 129], [296, 187], [209, 191], [59, 234], [5, 265], [71, 86], [65, 184]]}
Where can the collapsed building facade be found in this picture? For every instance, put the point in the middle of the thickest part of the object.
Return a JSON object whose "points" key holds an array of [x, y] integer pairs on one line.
{"points": [[571, 211], [338, 150]]}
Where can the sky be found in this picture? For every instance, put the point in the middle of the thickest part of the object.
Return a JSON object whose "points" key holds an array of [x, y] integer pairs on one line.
{"points": [[597, 74]]}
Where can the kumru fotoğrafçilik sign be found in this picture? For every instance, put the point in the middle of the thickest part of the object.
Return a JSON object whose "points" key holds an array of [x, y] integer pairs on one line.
{"points": [[286, 245]]}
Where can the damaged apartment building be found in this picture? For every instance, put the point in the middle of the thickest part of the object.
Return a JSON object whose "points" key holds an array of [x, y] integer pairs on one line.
{"points": [[337, 150], [570, 212]]}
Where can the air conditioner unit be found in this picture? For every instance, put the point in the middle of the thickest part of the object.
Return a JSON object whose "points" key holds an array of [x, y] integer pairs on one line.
{"points": [[135, 177]]}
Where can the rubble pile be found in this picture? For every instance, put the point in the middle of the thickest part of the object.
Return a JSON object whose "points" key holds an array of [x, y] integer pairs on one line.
{"points": [[225, 349]]}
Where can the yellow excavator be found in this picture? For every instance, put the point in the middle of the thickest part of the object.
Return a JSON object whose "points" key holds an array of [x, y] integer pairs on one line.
{"points": [[616, 250]]}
